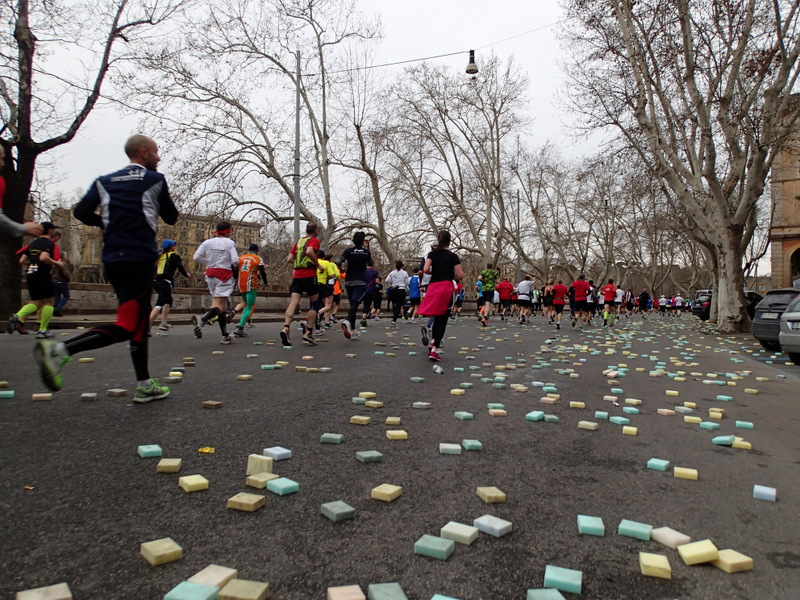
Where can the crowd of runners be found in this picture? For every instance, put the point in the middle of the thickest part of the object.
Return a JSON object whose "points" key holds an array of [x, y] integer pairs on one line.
{"points": [[126, 204]]}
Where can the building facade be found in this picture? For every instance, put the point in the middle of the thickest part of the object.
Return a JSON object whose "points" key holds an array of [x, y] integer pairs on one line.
{"points": [[784, 234]]}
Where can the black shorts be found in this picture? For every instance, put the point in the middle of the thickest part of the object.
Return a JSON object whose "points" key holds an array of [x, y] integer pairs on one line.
{"points": [[505, 303], [41, 286], [371, 301], [559, 308], [415, 301], [163, 288], [580, 306], [337, 298], [324, 290], [524, 303], [488, 297], [459, 302], [304, 285]]}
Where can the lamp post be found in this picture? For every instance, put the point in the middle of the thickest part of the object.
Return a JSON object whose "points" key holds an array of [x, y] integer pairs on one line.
{"points": [[519, 245], [297, 152]]}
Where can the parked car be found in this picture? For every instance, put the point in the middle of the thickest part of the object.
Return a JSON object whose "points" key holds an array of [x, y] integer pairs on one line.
{"points": [[767, 320], [789, 336], [702, 304]]}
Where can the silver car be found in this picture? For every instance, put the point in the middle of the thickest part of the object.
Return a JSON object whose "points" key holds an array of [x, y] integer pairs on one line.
{"points": [[789, 335]]}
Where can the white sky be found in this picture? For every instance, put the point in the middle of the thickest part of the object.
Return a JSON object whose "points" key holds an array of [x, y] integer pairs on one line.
{"points": [[412, 29]]}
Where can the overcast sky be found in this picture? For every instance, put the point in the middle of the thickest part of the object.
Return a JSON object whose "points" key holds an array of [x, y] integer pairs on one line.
{"points": [[412, 29]]}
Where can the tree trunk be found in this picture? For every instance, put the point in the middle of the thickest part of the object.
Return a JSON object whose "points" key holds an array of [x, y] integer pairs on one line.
{"points": [[732, 315]]}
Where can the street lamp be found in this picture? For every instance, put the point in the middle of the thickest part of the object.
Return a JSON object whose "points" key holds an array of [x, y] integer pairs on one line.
{"points": [[472, 68]]}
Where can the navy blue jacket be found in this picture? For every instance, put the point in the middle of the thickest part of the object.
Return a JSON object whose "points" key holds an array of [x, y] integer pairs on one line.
{"points": [[130, 201]]}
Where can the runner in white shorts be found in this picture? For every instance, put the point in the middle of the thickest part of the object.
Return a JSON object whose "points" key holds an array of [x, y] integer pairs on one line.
{"points": [[219, 256]]}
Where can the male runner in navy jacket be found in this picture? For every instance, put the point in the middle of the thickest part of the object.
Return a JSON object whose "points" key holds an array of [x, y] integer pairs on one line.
{"points": [[130, 202]]}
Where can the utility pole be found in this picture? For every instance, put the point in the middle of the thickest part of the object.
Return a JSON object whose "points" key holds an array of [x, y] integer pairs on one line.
{"points": [[297, 152]]}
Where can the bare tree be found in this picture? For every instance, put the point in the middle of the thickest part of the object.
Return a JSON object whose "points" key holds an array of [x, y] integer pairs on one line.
{"points": [[702, 91], [42, 106], [225, 92]]}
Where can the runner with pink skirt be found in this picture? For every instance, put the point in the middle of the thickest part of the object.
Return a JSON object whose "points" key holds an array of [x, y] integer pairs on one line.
{"points": [[445, 269]]}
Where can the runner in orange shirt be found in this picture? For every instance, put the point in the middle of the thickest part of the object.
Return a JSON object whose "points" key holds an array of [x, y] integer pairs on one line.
{"points": [[250, 267]]}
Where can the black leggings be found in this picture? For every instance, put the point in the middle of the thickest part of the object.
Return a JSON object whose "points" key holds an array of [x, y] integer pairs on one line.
{"points": [[355, 294], [439, 327], [133, 284], [397, 295]]}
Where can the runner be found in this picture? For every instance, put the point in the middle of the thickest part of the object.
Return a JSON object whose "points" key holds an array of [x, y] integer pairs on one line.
{"points": [[337, 292], [355, 282], [414, 294], [445, 268], [619, 301], [130, 200], [504, 291], [591, 302], [489, 278], [547, 299], [251, 266], [560, 292], [459, 300], [609, 293], [168, 262], [479, 297], [628, 303], [326, 282], [303, 258], [38, 260], [219, 256], [525, 291], [678, 303], [582, 288], [662, 305], [370, 275], [396, 283]]}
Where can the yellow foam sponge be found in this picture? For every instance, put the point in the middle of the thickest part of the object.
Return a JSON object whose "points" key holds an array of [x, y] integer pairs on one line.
{"points": [[655, 565], [359, 420], [691, 419], [397, 434], [695, 553], [627, 430], [576, 404], [367, 395], [386, 492], [684, 473], [491, 495], [732, 561]]}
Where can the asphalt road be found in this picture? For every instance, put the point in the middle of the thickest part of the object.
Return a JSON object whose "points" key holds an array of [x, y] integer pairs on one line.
{"points": [[94, 501]]}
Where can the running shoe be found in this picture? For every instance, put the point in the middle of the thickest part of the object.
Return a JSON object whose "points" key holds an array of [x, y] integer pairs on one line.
{"points": [[328, 325], [346, 329], [425, 335], [230, 316], [285, 336], [308, 338], [574, 322], [154, 392], [304, 327], [434, 355], [413, 321], [14, 324], [363, 322], [394, 324], [164, 326], [239, 332], [44, 334], [198, 331], [356, 334], [485, 322], [226, 339], [319, 331], [51, 356]]}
